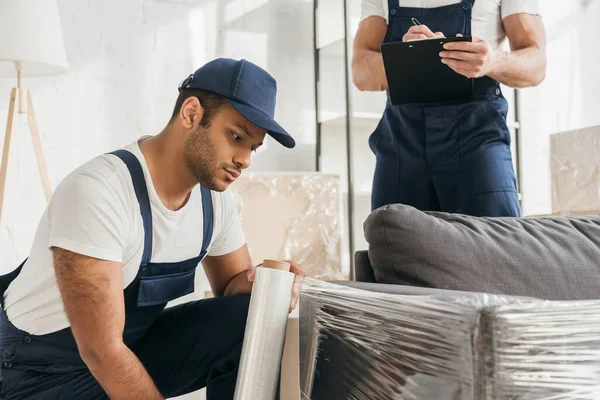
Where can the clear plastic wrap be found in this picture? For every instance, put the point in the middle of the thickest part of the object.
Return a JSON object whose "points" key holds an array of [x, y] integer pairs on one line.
{"points": [[294, 216], [545, 350], [575, 171], [438, 345]]}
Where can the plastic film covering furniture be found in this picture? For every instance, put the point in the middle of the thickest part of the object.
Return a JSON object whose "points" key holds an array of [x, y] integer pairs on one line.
{"points": [[431, 344], [293, 216]]}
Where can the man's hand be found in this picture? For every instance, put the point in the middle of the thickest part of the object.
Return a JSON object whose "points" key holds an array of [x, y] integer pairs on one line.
{"points": [[294, 268], [232, 274], [471, 59], [418, 32]]}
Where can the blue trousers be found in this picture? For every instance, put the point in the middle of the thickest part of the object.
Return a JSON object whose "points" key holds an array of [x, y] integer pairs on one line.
{"points": [[190, 346], [447, 157]]}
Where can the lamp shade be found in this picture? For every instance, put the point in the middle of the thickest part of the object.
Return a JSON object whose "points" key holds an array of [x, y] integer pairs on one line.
{"points": [[31, 36]]}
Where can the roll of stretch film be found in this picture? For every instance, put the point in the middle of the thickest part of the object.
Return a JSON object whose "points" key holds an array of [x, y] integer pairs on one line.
{"points": [[264, 337]]}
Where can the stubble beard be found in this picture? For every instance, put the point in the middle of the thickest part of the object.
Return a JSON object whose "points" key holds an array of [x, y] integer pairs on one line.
{"points": [[200, 157]]}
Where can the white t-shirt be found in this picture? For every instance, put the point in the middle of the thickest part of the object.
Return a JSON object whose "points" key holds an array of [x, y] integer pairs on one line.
{"points": [[486, 18], [94, 212]]}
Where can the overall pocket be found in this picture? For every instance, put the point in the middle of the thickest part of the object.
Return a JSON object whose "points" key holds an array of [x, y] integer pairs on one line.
{"points": [[159, 289]]}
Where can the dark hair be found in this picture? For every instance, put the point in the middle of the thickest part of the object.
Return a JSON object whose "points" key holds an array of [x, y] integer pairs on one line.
{"points": [[211, 103]]}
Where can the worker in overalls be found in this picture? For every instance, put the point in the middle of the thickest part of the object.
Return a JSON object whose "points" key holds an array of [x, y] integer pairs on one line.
{"points": [[85, 317], [451, 156]]}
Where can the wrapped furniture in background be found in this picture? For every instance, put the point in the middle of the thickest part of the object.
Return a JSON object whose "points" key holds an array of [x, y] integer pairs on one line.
{"points": [[575, 171], [293, 216], [286, 216]]}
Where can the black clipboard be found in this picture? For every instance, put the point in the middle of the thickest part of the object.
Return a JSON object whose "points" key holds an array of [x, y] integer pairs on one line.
{"points": [[416, 74]]}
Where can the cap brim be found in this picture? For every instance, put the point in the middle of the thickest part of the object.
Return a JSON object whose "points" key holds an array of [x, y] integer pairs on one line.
{"points": [[262, 120]]}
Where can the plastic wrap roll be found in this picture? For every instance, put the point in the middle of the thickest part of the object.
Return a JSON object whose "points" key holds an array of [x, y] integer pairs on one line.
{"points": [[260, 364]]}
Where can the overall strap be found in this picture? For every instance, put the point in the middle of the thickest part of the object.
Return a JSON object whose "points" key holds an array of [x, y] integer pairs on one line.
{"points": [[141, 192], [392, 4], [6, 280], [207, 217]]}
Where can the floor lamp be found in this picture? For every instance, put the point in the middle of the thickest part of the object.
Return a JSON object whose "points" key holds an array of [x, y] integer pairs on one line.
{"points": [[31, 45]]}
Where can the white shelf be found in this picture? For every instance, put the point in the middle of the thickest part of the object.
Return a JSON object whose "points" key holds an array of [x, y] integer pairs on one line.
{"points": [[365, 113], [333, 49], [333, 151], [330, 22], [358, 121], [249, 15], [363, 193], [359, 193]]}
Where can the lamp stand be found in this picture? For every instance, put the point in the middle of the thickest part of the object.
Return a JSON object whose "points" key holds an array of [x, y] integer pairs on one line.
{"points": [[23, 96]]}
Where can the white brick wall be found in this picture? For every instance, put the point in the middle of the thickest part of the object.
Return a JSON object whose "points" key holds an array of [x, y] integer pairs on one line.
{"points": [[126, 59]]}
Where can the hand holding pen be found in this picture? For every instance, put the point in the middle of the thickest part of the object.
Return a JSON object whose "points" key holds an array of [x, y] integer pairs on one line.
{"points": [[419, 31]]}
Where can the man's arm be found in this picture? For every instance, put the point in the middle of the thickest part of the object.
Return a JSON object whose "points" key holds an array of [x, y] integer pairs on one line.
{"points": [[368, 73], [524, 66], [228, 274], [92, 294]]}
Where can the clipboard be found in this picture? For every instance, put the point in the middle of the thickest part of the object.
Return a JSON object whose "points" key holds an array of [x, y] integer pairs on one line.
{"points": [[416, 74]]}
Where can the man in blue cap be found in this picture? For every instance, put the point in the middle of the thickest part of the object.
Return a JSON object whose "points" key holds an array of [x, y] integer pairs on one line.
{"points": [[85, 317]]}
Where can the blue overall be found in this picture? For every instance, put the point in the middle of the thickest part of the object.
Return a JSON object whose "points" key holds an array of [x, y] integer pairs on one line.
{"points": [[451, 156], [183, 348]]}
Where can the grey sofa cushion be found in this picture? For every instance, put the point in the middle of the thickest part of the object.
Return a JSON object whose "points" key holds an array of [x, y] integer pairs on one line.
{"points": [[555, 258]]}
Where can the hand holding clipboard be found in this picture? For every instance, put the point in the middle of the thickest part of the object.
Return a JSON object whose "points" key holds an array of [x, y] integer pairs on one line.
{"points": [[471, 60], [428, 67]]}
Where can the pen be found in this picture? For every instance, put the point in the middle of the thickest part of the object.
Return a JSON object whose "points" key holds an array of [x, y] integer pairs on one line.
{"points": [[415, 21]]}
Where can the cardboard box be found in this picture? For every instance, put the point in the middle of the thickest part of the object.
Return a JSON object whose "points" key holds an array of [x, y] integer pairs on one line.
{"points": [[575, 171]]}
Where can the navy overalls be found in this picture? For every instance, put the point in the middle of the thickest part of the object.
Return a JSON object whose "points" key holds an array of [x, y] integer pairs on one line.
{"points": [[451, 156], [183, 348]]}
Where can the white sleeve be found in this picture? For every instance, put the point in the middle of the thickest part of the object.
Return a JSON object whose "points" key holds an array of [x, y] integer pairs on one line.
{"points": [[373, 7], [86, 216], [509, 7], [230, 236]]}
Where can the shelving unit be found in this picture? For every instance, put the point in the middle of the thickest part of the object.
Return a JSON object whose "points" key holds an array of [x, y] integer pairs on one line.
{"points": [[346, 117]]}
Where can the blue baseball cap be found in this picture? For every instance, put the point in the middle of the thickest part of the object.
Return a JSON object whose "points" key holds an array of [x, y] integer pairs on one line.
{"points": [[248, 88]]}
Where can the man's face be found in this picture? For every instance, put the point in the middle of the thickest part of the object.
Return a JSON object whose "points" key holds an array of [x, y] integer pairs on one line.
{"points": [[217, 152]]}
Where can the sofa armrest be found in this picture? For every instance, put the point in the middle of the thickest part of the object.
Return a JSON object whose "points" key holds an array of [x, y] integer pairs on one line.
{"points": [[363, 272]]}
